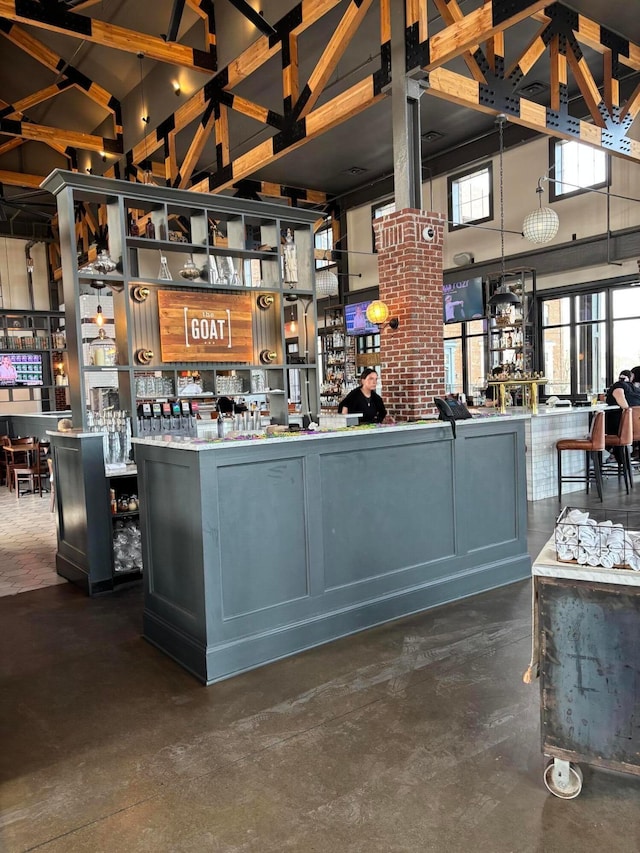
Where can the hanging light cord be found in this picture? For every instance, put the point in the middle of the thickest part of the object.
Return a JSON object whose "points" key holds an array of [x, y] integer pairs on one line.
{"points": [[501, 119]]}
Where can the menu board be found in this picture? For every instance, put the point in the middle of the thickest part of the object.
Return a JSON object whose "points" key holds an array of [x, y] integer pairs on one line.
{"points": [[205, 326]]}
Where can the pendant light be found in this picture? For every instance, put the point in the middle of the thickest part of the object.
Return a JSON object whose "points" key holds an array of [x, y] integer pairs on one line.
{"points": [[99, 318], [326, 283], [503, 296], [541, 225]]}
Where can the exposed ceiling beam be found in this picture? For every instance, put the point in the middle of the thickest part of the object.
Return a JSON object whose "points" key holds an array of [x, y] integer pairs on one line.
{"points": [[478, 26], [75, 139], [20, 179], [341, 108], [461, 90], [107, 35], [175, 19], [333, 52]]}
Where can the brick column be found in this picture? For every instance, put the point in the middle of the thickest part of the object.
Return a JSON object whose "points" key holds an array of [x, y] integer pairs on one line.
{"points": [[410, 270]]}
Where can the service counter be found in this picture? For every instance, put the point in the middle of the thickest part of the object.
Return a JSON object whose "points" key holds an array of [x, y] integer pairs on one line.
{"points": [[35, 424], [256, 550]]}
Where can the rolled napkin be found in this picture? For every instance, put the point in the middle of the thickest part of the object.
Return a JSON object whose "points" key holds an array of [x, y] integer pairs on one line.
{"points": [[582, 556], [577, 516], [567, 533], [607, 561]]}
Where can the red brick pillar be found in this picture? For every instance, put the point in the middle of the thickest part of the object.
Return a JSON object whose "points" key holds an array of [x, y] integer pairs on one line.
{"points": [[410, 270]]}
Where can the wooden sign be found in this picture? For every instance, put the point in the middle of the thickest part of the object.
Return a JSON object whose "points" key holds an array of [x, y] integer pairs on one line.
{"points": [[205, 326]]}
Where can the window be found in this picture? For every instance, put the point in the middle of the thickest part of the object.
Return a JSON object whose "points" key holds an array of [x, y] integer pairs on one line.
{"points": [[579, 165], [464, 358], [323, 240], [378, 210], [588, 337], [470, 196]]}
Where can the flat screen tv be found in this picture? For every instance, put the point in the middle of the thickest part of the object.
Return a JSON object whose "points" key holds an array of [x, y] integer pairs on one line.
{"points": [[463, 301], [20, 369], [355, 319]]}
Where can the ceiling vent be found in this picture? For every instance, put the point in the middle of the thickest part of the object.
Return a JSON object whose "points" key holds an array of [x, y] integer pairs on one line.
{"points": [[432, 136], [355, 170], [533, 89]]}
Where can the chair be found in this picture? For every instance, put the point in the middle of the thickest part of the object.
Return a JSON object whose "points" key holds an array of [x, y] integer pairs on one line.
{"points": [[592, 447], [4, 476], [52, 501], [17, 452], [621, 444], [31, 471], [635, 422]]}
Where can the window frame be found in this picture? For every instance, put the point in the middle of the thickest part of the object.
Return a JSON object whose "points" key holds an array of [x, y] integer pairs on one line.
{"points": [[554, 194], [378, 206], [451, 179]]}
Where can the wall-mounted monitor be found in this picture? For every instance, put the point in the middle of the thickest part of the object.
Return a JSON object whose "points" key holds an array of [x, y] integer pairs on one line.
{"points": [[463, 301], [20, 370], [355, 319]]}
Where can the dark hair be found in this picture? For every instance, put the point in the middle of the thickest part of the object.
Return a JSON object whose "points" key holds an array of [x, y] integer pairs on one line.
{"points": [[636, 373], [367, 372], [626, 374]]}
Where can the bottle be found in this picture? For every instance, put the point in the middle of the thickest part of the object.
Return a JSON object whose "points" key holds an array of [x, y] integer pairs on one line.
{"points": [[150, 230], [509, 342], [113, 501]]}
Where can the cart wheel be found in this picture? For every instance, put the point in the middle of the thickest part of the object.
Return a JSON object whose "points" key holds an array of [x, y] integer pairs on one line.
{"points": [[563, 779]]}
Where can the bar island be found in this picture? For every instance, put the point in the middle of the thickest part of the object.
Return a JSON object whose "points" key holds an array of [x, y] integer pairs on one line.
{"points": [[254, 550]]}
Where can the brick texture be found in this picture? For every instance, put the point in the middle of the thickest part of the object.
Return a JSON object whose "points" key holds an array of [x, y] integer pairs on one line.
{"points": [[410, 271]]}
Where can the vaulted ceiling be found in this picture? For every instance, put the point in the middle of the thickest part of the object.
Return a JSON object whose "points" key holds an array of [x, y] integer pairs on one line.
{"points": [[304, 114]]}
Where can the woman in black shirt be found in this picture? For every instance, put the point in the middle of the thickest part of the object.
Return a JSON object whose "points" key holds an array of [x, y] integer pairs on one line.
{"points": [[364, 400]]}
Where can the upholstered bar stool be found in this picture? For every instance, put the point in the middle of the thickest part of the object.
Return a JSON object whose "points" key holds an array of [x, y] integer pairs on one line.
{"points": [[592, 446], [622, 443]]}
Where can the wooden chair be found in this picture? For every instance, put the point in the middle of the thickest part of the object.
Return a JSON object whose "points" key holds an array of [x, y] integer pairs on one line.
{"points": [[31, 471], [4, 476], [52, 501], [621, 444], [18, 453], [592, 447]]}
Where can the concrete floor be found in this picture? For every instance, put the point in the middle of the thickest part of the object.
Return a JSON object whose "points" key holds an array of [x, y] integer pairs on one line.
{"points": [[416, 736]]}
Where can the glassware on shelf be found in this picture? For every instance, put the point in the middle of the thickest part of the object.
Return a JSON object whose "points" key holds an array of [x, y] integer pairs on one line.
{"points": [[190, 271], [165, 273], [102, 350], [209, 271], [104, 263]]}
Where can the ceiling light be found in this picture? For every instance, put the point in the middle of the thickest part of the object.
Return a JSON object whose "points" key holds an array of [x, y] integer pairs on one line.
{"points": [[326, 283], [432, 136], [541, 225]]}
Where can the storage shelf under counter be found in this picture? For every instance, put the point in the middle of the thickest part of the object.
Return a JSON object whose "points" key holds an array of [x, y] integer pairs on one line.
{"points": [[301, 577]]}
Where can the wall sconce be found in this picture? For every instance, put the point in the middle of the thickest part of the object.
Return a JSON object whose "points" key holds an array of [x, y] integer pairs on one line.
{"points": [[104, 156], [144, 356], [176, 89], [378, 313], [265, 301], [139, 293], [268, 356], [146, 119]]}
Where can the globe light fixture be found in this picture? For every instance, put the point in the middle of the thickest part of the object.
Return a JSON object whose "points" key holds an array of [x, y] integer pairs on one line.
{"points": [[541, 225], [378, 314], [326, 283]]}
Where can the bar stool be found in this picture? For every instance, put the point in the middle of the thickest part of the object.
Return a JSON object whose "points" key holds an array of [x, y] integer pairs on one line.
{"points": [[622, 442], [592, 447]]}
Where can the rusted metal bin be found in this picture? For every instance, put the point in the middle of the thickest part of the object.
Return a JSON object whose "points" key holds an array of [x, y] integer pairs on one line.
{"points": [[586, 638]]}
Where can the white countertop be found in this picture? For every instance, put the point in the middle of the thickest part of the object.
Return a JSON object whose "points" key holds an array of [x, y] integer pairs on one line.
{"points": [[547, 565]]}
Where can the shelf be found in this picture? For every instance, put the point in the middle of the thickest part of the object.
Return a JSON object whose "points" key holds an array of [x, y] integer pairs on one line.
{"points": [[133, 514], [505, 349], [165, 246]]}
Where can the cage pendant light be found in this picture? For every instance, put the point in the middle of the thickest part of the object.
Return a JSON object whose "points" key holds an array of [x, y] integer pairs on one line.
{"points": [[503, 296], [326, 283]]}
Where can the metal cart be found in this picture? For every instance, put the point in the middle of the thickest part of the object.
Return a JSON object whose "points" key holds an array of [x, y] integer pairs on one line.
{"points": [[586, 650]]}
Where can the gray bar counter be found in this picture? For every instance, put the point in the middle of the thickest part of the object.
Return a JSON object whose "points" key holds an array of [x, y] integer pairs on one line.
{"points": [[256, 550]]}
